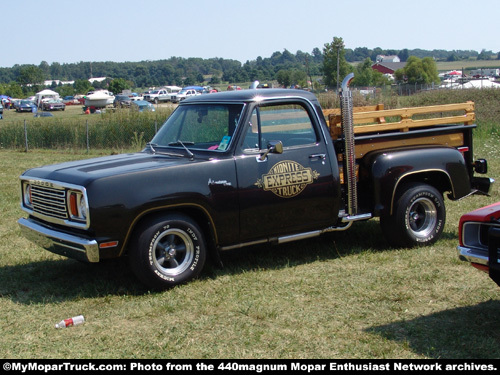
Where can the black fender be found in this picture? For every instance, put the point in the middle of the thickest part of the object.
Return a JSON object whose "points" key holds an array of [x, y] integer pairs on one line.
{"points": [[442, 167]]}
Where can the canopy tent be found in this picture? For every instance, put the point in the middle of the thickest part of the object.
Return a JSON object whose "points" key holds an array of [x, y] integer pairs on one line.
{"points": [[45, 94]]}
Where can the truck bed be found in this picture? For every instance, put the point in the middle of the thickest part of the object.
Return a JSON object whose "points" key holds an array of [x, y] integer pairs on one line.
{"points": [[377, 128]]}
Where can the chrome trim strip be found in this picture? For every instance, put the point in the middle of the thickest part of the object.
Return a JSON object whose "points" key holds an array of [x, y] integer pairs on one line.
{"points": [[300, 236], [240, 245], [289, 238], [60, 243]]}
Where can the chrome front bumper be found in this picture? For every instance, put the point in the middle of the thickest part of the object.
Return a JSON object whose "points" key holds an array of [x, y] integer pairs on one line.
{"points": [[60, 243]]}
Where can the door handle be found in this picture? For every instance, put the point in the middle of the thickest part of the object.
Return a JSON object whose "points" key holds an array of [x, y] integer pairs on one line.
{"points": [[317, 156]]}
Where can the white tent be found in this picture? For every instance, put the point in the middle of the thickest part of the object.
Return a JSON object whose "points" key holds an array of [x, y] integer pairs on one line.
{"points": [[45, 94], [478, 84]]}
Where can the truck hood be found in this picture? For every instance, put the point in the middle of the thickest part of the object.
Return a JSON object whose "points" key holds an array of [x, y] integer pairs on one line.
{"points": [[83, 172]]}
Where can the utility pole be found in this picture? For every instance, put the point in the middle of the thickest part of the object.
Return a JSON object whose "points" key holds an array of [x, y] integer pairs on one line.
{"points": [[338, 45]]}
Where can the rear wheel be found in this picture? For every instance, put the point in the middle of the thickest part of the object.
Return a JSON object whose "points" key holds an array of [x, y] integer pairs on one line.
{"points": [[418, 217], [168, 251]]}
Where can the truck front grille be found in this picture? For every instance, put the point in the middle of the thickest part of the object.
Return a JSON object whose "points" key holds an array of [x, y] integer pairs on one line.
{"points": [[49, 201]]}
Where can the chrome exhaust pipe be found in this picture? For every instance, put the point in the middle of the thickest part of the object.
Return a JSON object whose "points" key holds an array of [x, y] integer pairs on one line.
{"points": [[346, 107]]}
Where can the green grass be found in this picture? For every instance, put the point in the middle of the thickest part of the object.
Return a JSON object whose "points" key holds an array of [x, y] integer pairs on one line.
{"points": [[344, 295], [119, 129], [444, 66]]}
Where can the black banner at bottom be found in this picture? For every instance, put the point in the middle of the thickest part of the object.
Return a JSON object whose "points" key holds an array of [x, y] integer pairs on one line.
{"points": [[231, 366]]}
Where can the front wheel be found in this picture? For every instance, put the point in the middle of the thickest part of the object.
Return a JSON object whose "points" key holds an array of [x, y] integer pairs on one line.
{"points": [[418, 217], [168, 251]]}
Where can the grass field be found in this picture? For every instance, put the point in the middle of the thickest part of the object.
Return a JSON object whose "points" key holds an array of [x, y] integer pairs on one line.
{"points": [[444, 66], [347, 295]]}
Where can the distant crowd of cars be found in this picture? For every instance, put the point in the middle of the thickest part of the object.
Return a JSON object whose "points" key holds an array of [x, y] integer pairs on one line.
{"points": [[29, 105], [139, 102]]}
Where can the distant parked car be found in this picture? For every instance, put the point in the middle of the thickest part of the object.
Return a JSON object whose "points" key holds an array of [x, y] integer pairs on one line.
{"points": [[479, 239], [71, 100], [53, 105], [142, 105], [25, 106], [122, 101]]}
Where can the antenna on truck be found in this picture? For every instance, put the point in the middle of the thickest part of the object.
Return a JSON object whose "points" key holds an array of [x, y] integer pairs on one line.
{"points": [[346, 108]]}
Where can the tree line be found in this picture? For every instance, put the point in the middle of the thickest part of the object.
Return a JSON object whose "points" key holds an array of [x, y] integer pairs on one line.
{"points": [[284, 67]]}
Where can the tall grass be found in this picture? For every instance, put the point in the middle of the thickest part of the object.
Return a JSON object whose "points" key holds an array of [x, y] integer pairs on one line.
{"points": [[111, 130]]}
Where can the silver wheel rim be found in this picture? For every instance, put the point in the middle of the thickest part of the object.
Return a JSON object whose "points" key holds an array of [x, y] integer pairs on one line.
{"points": [[422, 217], [173, 252]]}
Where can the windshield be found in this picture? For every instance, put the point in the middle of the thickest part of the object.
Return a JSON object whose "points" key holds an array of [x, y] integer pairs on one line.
{"points": [[200, 126]]}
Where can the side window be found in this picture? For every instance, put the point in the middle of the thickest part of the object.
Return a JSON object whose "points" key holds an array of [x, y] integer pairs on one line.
{"points": [[288, 123]]}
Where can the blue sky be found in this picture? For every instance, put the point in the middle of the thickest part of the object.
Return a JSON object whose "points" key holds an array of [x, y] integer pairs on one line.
{"points": [[136, 30]]}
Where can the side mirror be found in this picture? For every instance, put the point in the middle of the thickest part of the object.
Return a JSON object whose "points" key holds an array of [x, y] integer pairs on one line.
{"points": [[275, 147]]}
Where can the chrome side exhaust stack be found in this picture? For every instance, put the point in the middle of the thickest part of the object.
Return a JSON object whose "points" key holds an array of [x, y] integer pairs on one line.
{"points": [[346, 107]]}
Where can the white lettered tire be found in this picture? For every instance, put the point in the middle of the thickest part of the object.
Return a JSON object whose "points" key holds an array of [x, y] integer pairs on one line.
{"points": [[167, 251], [418, 216]]}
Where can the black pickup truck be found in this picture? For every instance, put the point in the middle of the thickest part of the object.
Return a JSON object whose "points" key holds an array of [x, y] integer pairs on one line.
{"points": [[245, 167]]}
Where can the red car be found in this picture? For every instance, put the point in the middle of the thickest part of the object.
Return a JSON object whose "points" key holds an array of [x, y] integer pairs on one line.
{"points": [[479, 236]]}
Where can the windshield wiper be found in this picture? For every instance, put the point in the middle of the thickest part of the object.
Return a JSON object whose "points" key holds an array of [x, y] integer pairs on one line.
{"points": [[183, 144]]}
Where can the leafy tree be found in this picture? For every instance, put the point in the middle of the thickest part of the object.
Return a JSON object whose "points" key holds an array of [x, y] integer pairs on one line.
{"points": [[31, 75], [485, 55], [403, 55], [215, 80], [118, 85], [284, 78], [333, 57], [65, 90], [317, 55], [82, 86], [12, 89], [420, 71], [45, 68], [365, 75]]}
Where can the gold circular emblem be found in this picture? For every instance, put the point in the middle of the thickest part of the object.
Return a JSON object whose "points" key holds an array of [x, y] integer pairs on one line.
{"points": [[287, 179]]}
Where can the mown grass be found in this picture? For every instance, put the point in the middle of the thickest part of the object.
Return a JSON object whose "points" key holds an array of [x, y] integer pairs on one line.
{"points": [[344, 295]]}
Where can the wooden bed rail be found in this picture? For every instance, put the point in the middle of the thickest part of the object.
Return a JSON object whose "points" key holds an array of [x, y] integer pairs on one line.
{"points": [[373, 119]]}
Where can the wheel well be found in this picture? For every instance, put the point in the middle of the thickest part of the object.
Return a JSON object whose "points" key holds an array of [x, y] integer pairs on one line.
{"points": [[437, 179]]}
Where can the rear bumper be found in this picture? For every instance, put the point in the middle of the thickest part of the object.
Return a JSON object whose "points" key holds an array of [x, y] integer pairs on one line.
{"points": [[482, 185], [68, 245]]}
